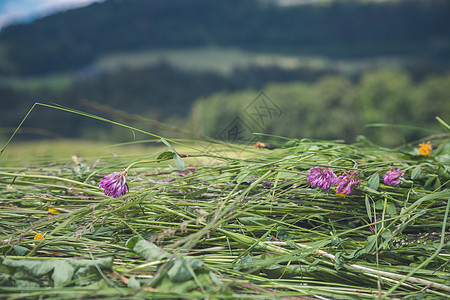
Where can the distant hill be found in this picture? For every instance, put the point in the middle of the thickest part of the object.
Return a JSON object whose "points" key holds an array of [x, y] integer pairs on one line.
{"points": [[71, 40]]}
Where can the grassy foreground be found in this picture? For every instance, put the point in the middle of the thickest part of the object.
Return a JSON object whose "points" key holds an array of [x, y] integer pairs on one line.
{"points": [[237, 222]]}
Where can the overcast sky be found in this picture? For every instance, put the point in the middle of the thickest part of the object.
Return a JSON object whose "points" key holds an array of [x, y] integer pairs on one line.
{"points": [[12, 11]]}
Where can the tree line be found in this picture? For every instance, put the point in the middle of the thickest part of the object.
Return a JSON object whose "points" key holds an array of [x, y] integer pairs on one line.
{"points": [[158, 92], [311, 103], [73, 39], [332, 107]]}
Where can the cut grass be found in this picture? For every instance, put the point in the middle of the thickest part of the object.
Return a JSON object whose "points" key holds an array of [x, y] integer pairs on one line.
{"points": [[240, 223], [250, 238]]}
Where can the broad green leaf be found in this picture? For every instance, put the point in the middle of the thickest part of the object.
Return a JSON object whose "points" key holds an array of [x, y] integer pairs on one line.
{"points": [[437, 184], [179, 163], [444, 172], [161, 276], [3, 269], [415, 174], [183, 287], [166, 155], [215, 279], [149, 250], [21, 251], [429, 184], [386, 234], [339, 260], [86, 267], [373, 181], [180, 269], [193, 262], [168, 145], [131, 242], [390, 209], [103, 262], [379, 204], [5, 280], [23, 283], [82, 275], [32, 267], [340, 257], [290, 144], [62, 273], [371, 244], [247, 263], [133, 283], [255, 221]]}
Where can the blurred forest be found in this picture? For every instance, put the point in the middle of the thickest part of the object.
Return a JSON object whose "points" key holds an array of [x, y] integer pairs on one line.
{"points": [[55, 59]]}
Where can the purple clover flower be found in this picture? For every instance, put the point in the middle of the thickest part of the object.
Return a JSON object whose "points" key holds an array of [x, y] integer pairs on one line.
{"points": [[321, 177], [393, 177], [347, 182], [114, 184]]}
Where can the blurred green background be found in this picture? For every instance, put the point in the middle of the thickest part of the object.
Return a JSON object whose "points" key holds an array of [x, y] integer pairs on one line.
{"points": [[196, 68]]}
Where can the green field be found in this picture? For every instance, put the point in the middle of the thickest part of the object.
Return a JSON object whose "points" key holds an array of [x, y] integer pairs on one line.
{"points": [[213, 59], [37, 152], [225, 60]]}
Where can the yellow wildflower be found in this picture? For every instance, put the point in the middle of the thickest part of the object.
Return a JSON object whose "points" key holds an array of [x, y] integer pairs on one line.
{"points": [[54, 211], [38, 236], [425, 148]]}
